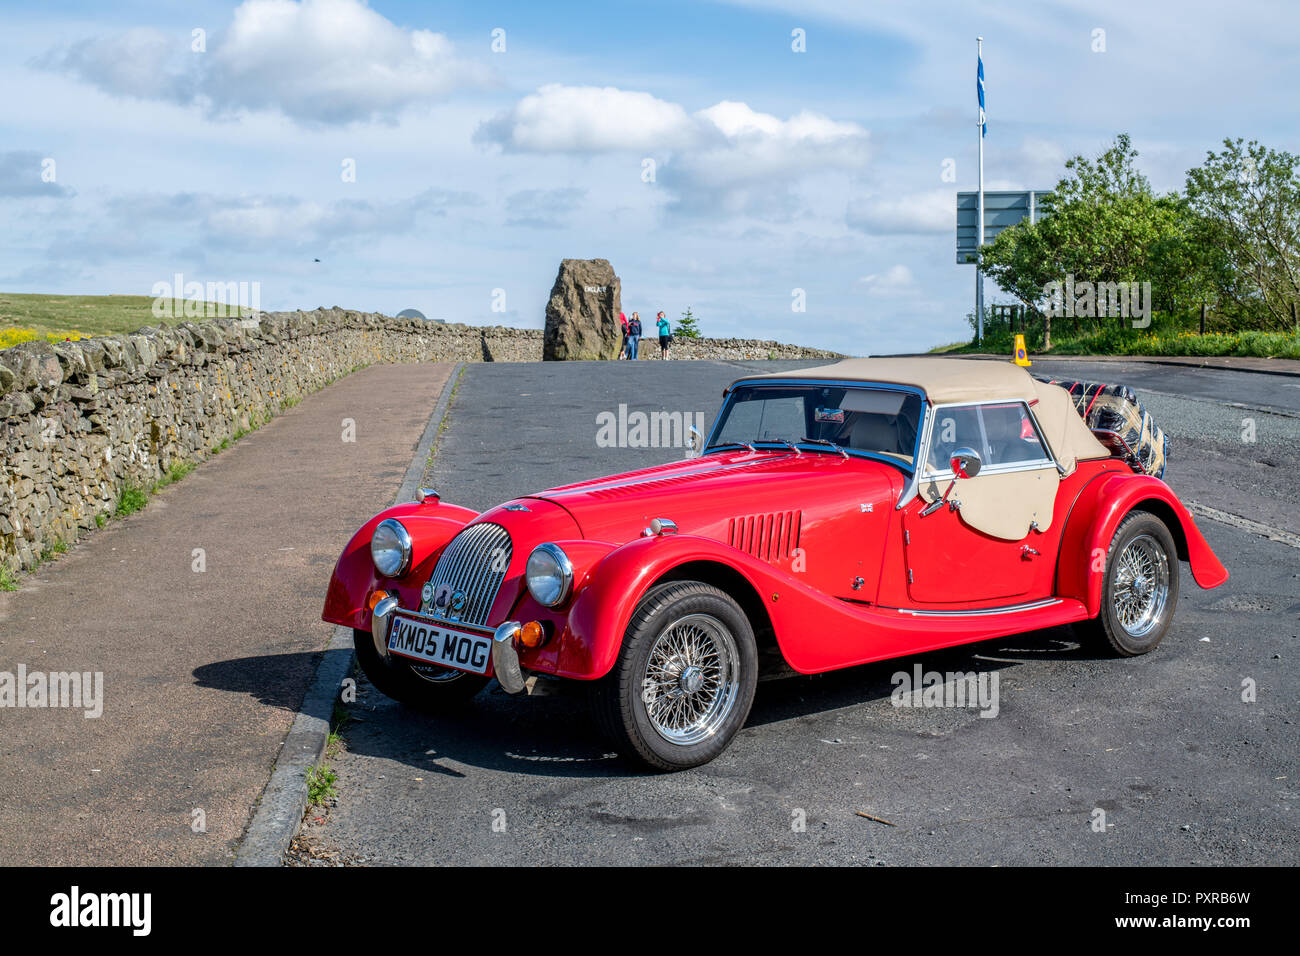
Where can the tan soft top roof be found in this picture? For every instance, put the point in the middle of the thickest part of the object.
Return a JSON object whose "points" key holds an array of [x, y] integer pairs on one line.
{"points": [[942, 379], [946, 380]]}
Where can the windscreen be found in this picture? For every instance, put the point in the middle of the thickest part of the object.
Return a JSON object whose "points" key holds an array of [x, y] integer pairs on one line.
{"points": [[872, 421]]}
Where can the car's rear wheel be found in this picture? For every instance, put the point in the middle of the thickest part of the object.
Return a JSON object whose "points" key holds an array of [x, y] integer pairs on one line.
{"points": [[1140, 588], [684, 679], [425, 686]]}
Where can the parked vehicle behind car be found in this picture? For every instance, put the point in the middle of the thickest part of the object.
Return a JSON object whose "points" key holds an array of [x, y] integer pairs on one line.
{"points": [[835, 516]]}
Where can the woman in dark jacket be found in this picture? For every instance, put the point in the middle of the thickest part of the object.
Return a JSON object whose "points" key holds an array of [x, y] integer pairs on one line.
{"points": [[633, 334]]}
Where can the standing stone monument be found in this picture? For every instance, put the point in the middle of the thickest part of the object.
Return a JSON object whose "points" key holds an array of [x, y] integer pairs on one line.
{"points": [[582, 313]]}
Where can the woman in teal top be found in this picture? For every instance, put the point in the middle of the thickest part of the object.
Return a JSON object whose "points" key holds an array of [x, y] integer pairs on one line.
{"points": [[665, 336]]}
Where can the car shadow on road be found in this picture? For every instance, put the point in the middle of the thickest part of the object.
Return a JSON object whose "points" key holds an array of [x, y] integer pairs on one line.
{"points": [[550, 736], [794, 697], [277, 680], [556, 737]]}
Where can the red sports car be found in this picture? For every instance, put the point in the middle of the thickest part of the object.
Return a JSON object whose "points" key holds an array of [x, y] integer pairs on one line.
{"points": [[834, 516]]}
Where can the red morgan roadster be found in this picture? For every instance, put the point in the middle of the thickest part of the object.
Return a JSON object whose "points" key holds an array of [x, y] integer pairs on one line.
{"points": [[834, 516]]}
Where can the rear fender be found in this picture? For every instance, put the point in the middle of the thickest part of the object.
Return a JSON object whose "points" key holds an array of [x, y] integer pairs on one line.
{"points": [[431, 525], [1103, 504]]}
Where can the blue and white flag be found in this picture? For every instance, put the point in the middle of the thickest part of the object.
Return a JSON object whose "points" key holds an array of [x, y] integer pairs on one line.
{"points": [[984, 126]]}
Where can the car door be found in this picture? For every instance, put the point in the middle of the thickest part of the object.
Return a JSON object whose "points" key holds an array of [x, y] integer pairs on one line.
{"points": [[991, 546]]}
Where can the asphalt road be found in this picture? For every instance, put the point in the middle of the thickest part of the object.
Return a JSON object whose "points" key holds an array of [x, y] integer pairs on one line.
{"points": [[1281, 392], [1183, 769]]}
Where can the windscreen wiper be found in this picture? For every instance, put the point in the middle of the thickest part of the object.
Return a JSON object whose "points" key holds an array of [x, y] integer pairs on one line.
{"points": [[828, 443], [730, 444], [777, 441]]}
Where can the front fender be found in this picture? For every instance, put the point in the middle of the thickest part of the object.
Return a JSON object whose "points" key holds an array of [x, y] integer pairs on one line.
{"points": [[431, 525], [601, 612], [1103, 504]]}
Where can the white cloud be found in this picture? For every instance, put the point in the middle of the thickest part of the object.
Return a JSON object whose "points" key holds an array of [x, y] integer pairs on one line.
{"points": [[143, 63], [728, 157], [931, 211], [316, 61], [584, 119], [892, 281], [589, 119], [331, 61], [759, 145]]}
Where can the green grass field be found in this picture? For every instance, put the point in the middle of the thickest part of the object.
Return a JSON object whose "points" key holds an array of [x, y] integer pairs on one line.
{"points": [[24, 317]]}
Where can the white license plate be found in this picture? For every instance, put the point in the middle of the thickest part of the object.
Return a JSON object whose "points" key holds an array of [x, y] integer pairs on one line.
{"points": [[436, 644]]}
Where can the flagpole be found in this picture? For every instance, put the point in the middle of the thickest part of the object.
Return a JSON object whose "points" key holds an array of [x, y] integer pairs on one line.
{"points": [[979, 229]]}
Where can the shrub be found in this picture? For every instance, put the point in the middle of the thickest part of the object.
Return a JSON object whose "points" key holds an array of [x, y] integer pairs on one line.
{"points": [[320, 785], [133, 498]]}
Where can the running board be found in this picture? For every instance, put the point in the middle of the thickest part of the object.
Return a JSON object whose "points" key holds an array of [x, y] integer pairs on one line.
{"points": [[983, 611]]}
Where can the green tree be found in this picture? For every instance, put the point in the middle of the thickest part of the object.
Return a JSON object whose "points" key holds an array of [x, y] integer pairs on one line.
{"points": [[687, 326], [1103, 223], [1182, 261], [1248, 199]]}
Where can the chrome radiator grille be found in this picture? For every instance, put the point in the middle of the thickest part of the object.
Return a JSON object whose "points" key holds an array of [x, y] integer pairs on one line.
{"points": [[470, 572]]}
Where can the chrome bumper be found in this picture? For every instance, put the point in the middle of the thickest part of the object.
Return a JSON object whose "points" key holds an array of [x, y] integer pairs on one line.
{"points": [[379, 620], [505, 659]]}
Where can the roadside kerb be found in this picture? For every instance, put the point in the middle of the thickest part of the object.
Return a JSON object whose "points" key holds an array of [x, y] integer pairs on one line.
{"points": [[284, 801]]}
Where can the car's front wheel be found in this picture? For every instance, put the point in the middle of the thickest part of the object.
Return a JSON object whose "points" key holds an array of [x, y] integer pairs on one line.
{"points": [[684, 679], [424, 686], [1140, 588]]}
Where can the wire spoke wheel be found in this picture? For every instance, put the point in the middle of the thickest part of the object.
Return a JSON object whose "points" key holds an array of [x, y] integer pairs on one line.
{"points": [[691, 679], [684, 679], [435, 674], [1140, 591], [1139, 588]]}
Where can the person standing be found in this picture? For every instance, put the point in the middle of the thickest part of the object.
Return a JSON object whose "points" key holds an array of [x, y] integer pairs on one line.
{"points": [[622, 349], [665, 336], [633, 334]]}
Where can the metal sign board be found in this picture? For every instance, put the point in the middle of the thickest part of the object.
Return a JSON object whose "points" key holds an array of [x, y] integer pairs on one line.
{"points": [[1001, 209]]}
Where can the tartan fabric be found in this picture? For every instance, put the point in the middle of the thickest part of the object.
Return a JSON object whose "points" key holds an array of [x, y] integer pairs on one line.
{"points": [[1115, 408]]}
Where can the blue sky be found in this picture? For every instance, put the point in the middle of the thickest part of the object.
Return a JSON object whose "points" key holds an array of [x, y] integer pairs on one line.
{"points": [[477, 171]]}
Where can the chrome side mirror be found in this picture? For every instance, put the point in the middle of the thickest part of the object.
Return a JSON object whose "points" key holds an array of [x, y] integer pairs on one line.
{"points": [[965, 463], [696, 441]]}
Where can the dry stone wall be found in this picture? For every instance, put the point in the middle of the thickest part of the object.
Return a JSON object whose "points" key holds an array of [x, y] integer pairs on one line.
{"points": [[748, 350], [81, 421]]}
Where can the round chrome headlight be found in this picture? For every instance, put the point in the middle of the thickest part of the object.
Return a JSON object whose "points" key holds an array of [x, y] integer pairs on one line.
{"points": [[390, 548], [549, 575]]}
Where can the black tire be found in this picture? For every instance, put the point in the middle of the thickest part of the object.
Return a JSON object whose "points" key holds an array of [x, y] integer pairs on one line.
{"points": [[718, 650], [443, 688], [1118, 628]]}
